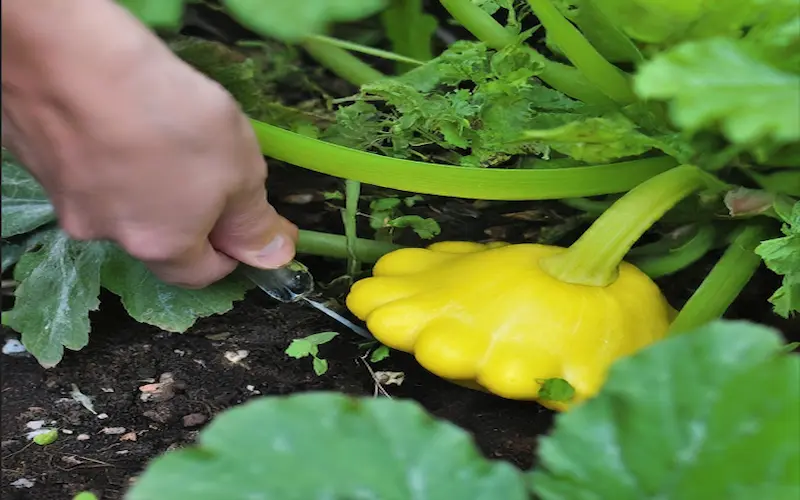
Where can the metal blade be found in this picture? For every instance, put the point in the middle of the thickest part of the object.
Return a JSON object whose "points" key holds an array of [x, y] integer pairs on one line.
{"points": [[289, 283], [292, 283], [338, 317]]}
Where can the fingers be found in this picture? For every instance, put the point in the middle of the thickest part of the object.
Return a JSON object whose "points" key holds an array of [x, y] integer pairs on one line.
{"points": [[252, 232], [197, 268]]}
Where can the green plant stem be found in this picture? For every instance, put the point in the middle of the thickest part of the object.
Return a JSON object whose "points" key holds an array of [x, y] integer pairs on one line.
{"points": [[724, 283], [595, 257], [601, 73], [559, 76], [460, 182], [410, 30], [587, 205], [352, 193], [342, 63], [657, 266], [364, 49], [335, 245]]}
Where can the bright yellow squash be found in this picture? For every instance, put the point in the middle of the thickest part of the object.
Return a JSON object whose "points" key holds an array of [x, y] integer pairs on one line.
{"points": [[489, 317]]}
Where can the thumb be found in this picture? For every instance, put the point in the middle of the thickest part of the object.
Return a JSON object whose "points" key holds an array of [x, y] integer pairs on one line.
{"points": [[251, 231]]}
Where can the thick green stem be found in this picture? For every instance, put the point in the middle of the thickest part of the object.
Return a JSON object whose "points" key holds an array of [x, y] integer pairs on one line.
{"points": [[559, 76], [460, 182], [595, 258], [410, 29], [601, 73], [724, 283], [335, 245], [657, 266], [352, 193], [342, 63]]}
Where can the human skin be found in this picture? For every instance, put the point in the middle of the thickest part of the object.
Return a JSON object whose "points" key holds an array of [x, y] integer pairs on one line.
{"points": [[134, 146]]}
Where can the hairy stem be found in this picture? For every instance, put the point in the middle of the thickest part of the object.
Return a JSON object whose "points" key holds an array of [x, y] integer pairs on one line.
{"points": [[601, 73], [335, 245], [341, 62], [352, 193], [724, 283], [657, 266], [595, 257], [460, 182], [364, 49], [559, 76]]}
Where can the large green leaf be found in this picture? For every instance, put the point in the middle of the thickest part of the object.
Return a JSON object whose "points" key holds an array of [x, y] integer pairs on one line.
{"points": [[671, 21], [717, 82], [294, 21], [149, 300], [60, 279], [158, 14], [24, 206], [711, 413], [594, 139], [782, 256], [59, 285], [329, 446]]}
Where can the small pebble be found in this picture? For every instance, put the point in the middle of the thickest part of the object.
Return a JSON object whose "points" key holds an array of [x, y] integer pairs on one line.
{"points": [[113, 430], [237, 356], [22, 483], [82, 437], [103, 416], [14, 347], [194, 419], [130, 436]]}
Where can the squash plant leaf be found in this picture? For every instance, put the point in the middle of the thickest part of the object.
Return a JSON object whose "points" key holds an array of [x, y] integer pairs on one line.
{"points": [[718, 82], [595, 140], [60, 278], [782, 256], [59, 285], [24, 205], [149, 300], [292, 447], [711, 413], [157, 14], [293, 21]]}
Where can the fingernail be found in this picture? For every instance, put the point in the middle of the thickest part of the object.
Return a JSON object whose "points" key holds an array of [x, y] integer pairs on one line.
{"points": [[274, 254]]}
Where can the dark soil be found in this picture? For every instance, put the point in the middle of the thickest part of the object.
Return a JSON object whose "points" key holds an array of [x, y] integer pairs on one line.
{"points": [[124, 355]]}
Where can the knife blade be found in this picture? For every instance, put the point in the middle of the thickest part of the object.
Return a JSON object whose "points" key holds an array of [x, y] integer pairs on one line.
{"points": [[294, 283]]}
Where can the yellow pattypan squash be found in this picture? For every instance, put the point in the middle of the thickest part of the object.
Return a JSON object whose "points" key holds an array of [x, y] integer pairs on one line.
{"points": [[488, 317]]}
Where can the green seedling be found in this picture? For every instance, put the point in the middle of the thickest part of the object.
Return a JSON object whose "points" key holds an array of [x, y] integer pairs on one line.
{"points": [[309, 346]]}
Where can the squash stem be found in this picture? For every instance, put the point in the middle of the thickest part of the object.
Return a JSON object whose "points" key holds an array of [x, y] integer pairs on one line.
{"points": [[597, 70], [352, 193], [341, 62], [561, 77], [675, 259], [595, 257], [446, 180], [724, 283], [335, 245]]}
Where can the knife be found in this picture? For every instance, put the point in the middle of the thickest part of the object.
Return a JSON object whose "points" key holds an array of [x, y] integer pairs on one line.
{"points": [[293, 283]]}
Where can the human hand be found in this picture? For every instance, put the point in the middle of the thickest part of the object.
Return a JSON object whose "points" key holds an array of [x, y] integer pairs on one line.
{"points": [[134, 146]]}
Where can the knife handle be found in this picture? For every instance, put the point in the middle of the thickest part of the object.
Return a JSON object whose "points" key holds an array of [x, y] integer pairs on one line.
{"points": [[289, 283]]}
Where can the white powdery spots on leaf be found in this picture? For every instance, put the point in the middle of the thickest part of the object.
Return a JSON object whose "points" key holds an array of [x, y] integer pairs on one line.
{"points": [[60, 284]]}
